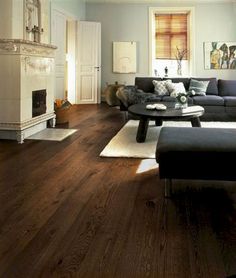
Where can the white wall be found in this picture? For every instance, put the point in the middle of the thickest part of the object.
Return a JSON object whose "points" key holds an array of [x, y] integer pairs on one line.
{"points": [[234, 9], [129, 22], [12, 19], [11, 16]]}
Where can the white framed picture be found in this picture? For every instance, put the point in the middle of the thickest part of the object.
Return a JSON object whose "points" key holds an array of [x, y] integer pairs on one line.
{"points": [[220, 55], [124, 57]]}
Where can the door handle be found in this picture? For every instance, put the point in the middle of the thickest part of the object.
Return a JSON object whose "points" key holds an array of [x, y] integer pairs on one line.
{"points": [[98, 68]]}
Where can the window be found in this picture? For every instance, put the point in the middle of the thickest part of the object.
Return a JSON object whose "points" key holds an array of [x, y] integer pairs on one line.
{"points": [[171, 34]]}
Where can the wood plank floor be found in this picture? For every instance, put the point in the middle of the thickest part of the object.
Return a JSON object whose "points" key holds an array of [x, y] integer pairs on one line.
{"points": [[66, 212]]}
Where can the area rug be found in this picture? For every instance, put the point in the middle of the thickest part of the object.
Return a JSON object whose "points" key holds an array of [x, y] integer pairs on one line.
{"points": [[52, 134], [124, 143]]}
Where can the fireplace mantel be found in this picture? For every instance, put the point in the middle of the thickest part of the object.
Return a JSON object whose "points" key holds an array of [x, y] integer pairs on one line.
{"points": [[18, 46], [21, 41], [26, 66]]}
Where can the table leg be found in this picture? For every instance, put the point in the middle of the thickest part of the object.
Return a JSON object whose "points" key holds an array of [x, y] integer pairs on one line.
{"points": [[196, 122], [158, 122], [168, 188], [142, 130]]}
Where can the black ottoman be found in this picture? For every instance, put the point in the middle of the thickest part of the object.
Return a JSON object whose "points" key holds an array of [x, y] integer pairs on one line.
{"points": [[196, 153]]}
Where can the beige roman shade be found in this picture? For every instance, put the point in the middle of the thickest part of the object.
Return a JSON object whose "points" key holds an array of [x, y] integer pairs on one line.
{"points": [[171, 32]]}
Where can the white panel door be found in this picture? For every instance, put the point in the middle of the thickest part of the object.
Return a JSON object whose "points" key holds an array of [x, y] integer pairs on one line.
{"points": [[89, 62], [58, 38]]}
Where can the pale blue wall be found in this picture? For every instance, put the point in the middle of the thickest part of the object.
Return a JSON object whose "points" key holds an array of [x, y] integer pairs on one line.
{"points": [[123, 22], [234, 7], [74, 7], [215, 22]]}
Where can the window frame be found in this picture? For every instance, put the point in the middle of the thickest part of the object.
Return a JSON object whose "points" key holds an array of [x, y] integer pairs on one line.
{"points": [[191, 34]]}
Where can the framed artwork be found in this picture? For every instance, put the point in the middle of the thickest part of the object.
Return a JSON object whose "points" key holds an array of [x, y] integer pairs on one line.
{"points": [[220, 55], [124, 57]]}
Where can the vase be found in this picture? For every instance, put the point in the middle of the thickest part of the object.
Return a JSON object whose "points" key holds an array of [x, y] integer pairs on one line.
{"points": [[179, 105], [179, 68]]}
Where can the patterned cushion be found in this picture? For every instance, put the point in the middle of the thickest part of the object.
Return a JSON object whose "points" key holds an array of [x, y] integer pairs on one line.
{"points": [[160, 87], [175, 88], [199, 87]]}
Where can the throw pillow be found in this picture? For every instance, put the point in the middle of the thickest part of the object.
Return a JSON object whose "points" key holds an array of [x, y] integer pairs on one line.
{"points": [[160, 87], [198, 87], [175, 88]]}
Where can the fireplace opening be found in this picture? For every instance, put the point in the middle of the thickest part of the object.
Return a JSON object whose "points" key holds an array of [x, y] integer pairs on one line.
{"points": [[39, 102]]}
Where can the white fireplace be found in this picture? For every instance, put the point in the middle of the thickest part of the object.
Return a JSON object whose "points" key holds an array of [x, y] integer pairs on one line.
{"points": [[26, 66]]}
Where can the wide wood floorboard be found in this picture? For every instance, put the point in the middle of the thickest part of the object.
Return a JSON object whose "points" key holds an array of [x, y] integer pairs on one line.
{"points": [[66, 212]]}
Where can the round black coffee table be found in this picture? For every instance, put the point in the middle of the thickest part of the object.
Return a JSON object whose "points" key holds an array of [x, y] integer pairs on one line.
{"points": [[192, 113]]}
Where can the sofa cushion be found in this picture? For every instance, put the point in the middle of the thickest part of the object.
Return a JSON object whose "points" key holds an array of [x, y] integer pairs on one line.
{"points": [[230, 101], [227, 87], [171, 139], [212, 88], [214, 109], [231, 111], [145, 83], [208, 100]]}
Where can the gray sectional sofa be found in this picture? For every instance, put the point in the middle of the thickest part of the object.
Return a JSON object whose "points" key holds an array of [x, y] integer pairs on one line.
{"points": [[219, 102]]}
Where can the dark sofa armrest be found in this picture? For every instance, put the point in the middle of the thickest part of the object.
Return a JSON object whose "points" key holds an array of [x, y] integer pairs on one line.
{"points": [[145, 83]]}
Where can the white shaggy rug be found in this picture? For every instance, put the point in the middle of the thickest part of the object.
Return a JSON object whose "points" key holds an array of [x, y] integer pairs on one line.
{"points": [[124, 144], [52, 134]]}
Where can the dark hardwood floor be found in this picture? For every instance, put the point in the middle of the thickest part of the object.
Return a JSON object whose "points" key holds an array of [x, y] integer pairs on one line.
{"points": [[66, 212]]}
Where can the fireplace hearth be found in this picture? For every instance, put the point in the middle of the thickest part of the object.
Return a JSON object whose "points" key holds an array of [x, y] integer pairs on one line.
{"points": [[39, 106]]}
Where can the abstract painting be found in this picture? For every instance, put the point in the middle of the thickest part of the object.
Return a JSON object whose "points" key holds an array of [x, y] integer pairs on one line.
{"points": [[220, 55]]}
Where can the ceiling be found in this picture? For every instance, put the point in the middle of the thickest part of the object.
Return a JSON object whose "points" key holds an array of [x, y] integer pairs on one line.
{"points": [[161, 1]]}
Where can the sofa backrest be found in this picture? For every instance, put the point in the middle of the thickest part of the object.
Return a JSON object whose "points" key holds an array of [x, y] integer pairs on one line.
{"points": [[145, 83], [227, 87], [212, 88], [184, 80]]}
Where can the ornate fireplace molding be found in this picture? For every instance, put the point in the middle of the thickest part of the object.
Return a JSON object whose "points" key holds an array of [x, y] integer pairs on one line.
{"points": [[39, 51], [33, 66], [24, 47], [9, 47]]}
